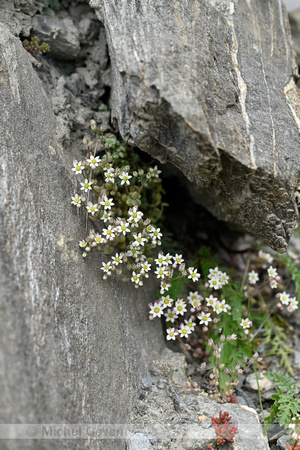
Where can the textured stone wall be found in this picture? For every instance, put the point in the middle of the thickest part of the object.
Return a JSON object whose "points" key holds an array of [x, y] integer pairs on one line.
{"points": [[73, 347], [210, 87]]}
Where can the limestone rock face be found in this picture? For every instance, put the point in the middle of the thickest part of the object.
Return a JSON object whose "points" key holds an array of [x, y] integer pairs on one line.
{"points": [[60, 34], [74, 347], [210, 87]]}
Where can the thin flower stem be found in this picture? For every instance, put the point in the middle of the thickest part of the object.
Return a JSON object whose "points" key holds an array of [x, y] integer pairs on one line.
{"points": [[261, 326], [246, 271], [184, 350], [259, 394]]}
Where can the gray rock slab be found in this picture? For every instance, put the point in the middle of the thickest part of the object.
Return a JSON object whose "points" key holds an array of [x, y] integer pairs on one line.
{"points": [[74, 347], [60, 33], [139, 441], [210, 86], [172, 418]]}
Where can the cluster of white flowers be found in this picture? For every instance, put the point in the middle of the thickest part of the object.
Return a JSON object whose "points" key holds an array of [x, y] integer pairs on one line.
{"points": [[217, 279], [194, 303], [274, 278], [127, 240], [290, 302], [266, 256], [117, 206], [295, 426]]}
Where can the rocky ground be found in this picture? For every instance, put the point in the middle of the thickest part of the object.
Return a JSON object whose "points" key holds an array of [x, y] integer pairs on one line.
{"points": [[77, 78], [166, 416]]}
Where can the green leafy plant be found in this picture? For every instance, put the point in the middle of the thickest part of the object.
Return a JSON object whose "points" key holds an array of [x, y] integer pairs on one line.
{"points": [[122, 197], [116, 192], [286, 405], [275, 335], [33, 46]]}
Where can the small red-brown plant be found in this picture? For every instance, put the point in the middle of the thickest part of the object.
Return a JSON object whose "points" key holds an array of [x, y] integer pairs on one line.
{"points": [[225, 432]]}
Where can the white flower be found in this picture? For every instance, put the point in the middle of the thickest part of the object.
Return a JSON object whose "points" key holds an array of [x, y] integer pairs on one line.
{"points": [[211, 300], [108, 232], [204, 318], [132, 252], [291, 254], [145, 267], [171, 334], [161, 272], [284, 298], [194, 299], [154, 172], [117, 259], [180, 307], [107, 202], [109, 176], [82, 244], [139, 256], [216, 307], [292, 307], [92, 209], [213, 272], [178, 260], [98, 239], [223, 306], [265, 256], [273, 283], [106, 267], [156, 234], [156, 310], [168, 259], [139, 240], [86, 186], [246, 323], [215, 283], [135, 215], [78, 167], [193, 274], [170, 315], [135, 277], [223, 277], [164, 286], [190, 324], [160, 259], [123, 228], [93, 161], [108, 167], [184, 330], [293, 304], [272, 272], [76, 200], [125, 178], [106, 216], [166, 301], [253, 277]]}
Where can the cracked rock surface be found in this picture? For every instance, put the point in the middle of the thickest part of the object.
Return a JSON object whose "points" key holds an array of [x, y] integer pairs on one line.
{"points": [[167, 417], [210, 86]]}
